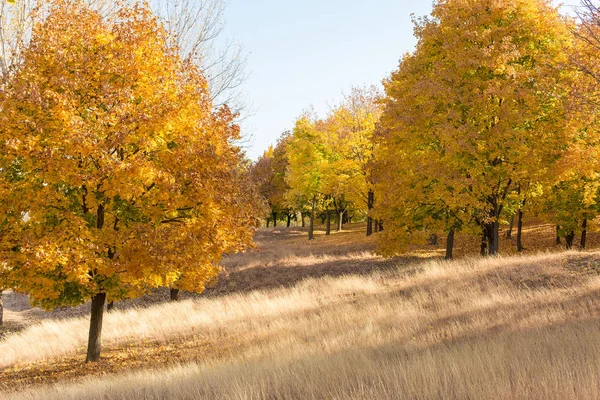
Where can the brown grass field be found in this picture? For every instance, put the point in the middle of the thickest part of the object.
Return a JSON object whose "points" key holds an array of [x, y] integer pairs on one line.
{"points": [[330, 319]]}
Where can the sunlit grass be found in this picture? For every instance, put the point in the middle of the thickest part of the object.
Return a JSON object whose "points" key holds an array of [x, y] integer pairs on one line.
{"points": [[520, 327]]}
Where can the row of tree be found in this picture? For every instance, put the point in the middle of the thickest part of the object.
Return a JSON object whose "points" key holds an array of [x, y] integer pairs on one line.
{"points": [[118, 171], [321, 168], [493, 117]]}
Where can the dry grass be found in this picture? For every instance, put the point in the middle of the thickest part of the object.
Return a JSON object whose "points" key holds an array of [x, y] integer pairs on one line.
{"points": [[517, 327]]}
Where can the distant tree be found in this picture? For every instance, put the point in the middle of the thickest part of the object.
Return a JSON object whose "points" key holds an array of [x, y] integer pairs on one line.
{"points": [[307, 155], [269, 175]]}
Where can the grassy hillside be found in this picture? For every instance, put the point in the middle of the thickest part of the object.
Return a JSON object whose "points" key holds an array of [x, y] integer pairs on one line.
{"points": [[329, 319]]}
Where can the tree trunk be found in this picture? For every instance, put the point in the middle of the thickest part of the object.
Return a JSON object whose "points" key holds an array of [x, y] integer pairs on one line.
{"points": [[110, 306], [274, 220], [557, 234], [268, 222], [569, 240], [520, 247], [328, 228], [380, 225], [302, 216], [370, 204], [174, 294], [433, 239], [450, 245], [311, 228], [483, 248], [493, 229], [340, 225], [95, 337], [510, 228], [584, 234], [289, 220]]}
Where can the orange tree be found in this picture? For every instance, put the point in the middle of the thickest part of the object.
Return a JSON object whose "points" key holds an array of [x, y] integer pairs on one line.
{"points": [[116, 173]]}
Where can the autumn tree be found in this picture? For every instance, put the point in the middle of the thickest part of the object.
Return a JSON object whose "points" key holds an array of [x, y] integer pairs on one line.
{"points": [[307, 157], [483, 100], [116, 172], [269, 174], [353, 125]]}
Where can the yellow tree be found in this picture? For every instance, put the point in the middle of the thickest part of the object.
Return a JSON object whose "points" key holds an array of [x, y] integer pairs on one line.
{"points": [[307, 157], [574, 204], [477, 110], [353, 124], [117, 175]]}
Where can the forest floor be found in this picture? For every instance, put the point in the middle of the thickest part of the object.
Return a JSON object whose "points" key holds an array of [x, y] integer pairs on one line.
{"points": [[331, 319]]}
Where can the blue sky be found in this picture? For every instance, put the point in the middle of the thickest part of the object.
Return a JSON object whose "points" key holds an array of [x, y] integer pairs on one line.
{"points": [[307, 53]]}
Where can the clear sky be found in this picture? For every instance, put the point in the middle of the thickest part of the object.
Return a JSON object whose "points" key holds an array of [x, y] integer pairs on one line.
{"points": [[307, 53]]}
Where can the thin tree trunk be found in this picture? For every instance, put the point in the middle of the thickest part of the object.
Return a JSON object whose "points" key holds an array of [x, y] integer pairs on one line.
{"points": [[520, 247], [557, 234], [95, 337], [569, 240], [289, 220], [174, 294], [268, 222], [311, 228], [483, 248], [110, 306], [340, 225], [370, 204], [274, 220], [584, 234], [493, 234], [328, 228], [433, 239], [380, 225], [510, 228], [450, 245], [302, 216]]}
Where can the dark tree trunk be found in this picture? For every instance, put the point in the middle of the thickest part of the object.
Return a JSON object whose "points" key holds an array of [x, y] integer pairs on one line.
{"points": [[370, 204], [302, 216], [510, 228], [557, 234], [583, 234], [95, 337], [1, 309], [268, 222], [569, 240], [433, 239], [174, 294], [289, 220], [311, 228], [274, 220], [328, 227], [340, 225], [110, 306], [450, 245], [492, 229], [483, 248], [520, 247], [346, 219], [380, 225]]}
